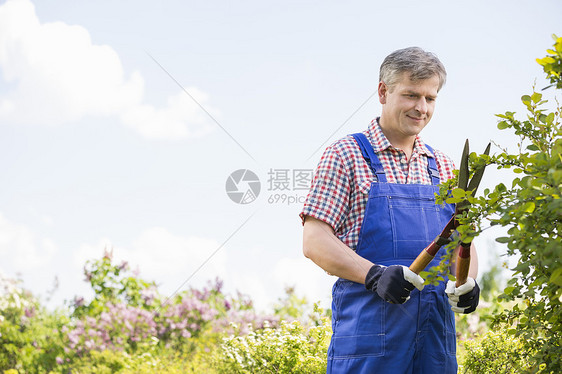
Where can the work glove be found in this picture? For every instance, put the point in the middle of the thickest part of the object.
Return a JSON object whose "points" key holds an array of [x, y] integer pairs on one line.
{"points": [[394, 283], [463, 299]]}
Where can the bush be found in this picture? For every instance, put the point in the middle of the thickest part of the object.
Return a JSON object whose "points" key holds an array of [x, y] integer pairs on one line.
{"points": [[531, 211], [494, 352], [291, 348], [30, 337], [128, 327], [120, 362]]}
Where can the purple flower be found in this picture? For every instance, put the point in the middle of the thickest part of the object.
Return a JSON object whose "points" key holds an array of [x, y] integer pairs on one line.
{"points": [[78, 301], [29, 312]]}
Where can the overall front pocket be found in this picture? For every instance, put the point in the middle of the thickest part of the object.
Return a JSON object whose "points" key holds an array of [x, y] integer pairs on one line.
{"points": [[358, 322]]}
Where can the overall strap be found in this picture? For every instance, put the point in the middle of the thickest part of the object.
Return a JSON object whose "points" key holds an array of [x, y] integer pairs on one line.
{"points": [[370, 156], [432, 167]]}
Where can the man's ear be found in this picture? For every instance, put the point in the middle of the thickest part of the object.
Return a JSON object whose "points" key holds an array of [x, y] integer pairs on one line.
{"points": [[383, 90]]}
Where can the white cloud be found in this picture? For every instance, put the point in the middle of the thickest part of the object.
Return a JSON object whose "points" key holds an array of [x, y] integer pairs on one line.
{"points": [[169, 122], [60, 76], [21, 249]]}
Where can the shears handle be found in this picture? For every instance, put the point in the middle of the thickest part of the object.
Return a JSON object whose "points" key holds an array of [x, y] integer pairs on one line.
{"points": [[427, 255], [429, 252], [463, 264]]}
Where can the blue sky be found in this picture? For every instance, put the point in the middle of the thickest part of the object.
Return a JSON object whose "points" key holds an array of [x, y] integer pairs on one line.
{"points": [[100, 146]]}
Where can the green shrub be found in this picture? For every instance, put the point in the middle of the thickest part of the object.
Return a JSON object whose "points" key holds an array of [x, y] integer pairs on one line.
{"points": [[31, 338], [291, 348], [128, 327], [530, 209], [495, 352], [120, 362]]}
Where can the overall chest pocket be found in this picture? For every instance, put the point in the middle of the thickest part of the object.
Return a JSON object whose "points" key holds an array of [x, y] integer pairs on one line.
{"points": [[415, 222]]}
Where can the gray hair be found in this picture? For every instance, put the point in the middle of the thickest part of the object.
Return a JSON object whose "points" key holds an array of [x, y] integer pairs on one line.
{"points": [[414, 60]]}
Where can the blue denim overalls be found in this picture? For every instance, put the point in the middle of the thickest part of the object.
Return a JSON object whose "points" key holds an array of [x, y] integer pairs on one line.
{"points": [[369, 334]]}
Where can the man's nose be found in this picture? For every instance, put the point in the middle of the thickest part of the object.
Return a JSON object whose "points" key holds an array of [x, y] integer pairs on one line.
{"points": [[421, 105]]}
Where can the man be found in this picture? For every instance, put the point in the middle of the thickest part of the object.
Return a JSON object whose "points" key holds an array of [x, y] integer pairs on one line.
{"points": [[370, 211]]}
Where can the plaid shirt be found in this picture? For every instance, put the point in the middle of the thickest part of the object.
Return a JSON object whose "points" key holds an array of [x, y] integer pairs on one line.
{"points": [[341, 183]]}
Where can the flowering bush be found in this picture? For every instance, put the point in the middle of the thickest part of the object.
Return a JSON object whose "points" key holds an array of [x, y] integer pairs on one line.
{"points": [[136, 318], [30, 337], [291, 348], [114, 284], [120, 327]]}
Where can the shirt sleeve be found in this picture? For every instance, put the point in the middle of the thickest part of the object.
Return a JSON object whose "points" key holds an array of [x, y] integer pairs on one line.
{"points": [[328, 198]]}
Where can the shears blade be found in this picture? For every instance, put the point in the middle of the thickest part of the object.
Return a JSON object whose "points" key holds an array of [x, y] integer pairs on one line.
{"points": [[463, 169], [475, 181]]}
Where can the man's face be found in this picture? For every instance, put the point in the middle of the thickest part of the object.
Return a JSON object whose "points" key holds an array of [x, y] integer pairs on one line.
{"points": [[408, 105]]}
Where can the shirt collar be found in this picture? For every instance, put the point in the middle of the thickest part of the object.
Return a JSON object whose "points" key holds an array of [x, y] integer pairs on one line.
{"points": [[380, 142]]}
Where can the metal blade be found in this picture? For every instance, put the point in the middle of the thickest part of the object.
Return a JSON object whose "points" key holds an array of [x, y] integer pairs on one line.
{"points": [[463, 169], [475, 181]]}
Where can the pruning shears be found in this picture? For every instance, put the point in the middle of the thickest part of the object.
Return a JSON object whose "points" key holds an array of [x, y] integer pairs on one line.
{"points": [[463, 260]]}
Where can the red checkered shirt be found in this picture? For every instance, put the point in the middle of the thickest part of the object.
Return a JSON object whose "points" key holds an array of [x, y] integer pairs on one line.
{"points": [[341, 183]]}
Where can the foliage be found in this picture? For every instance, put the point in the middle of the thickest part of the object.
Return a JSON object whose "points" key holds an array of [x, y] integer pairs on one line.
{"points": [[129, 314], [165, 362], [292, 348], [129, 327], [552, 64], [292, 307], [30, 337], [114, 284], [531, 211], [494, 352]]}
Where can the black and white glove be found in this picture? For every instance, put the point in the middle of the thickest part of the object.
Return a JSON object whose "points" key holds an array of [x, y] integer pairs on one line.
{"points": [[463, 299], [394, 283]]}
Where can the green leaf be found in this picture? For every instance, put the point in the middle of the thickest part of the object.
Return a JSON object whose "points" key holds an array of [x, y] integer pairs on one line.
{"points": [[503, 239], [546, 60], [529, 207], [452, 200], [503, 125], [458, 193], [556, 277], [526, 99], [532, 147], [508, 290]]}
